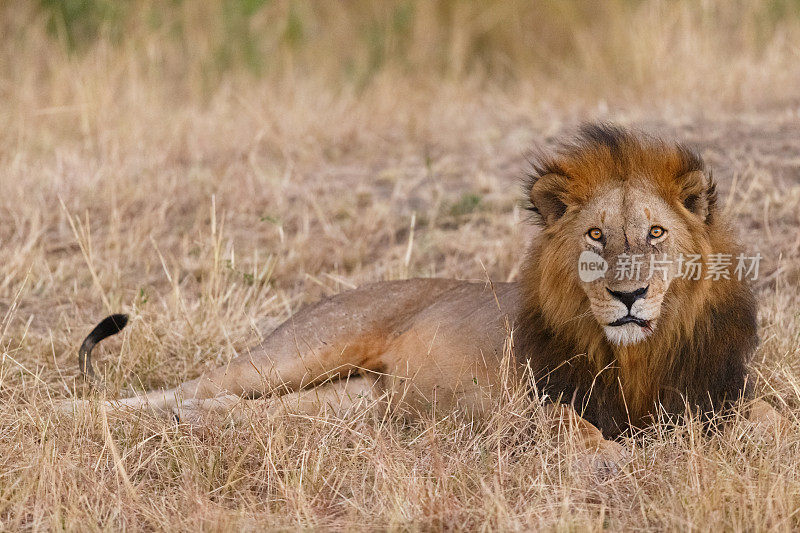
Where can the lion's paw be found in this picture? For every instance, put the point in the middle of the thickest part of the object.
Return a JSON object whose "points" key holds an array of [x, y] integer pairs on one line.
{"points": [[605, 460], [218, 411], [193, 413]]}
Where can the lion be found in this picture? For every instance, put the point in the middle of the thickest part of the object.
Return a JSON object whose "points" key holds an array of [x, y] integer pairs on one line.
{"points": [[607, 355]]}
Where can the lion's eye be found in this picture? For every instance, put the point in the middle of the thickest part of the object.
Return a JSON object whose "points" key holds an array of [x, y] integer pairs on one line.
{"points": [[595, 234], [656, 232]]}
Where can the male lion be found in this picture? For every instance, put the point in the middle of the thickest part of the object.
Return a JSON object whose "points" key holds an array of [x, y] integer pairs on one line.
{"points": [[618, 350]]}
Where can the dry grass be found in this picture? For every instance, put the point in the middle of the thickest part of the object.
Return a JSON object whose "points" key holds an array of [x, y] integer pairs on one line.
{"points": [[210, 201]]}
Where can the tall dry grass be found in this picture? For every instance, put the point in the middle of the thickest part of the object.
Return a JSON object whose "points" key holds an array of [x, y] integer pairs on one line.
{"points": [[210, 167]]}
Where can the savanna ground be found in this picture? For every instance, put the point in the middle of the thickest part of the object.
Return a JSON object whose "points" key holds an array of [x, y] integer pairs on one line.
{"points": [[210, 168]]}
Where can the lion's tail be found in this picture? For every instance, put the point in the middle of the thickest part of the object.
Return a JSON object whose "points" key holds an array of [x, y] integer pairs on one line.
{"points": [[110, 325]]}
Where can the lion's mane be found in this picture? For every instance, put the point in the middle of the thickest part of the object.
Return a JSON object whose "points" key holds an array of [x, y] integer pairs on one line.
{"points": [[698, 355]]}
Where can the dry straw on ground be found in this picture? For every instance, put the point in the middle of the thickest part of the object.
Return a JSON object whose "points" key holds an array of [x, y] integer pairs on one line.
{"points": [[211, 168]]}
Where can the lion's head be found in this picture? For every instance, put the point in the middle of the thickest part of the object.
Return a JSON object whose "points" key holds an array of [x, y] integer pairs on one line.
{"points": [[623, 215], [620, 309]]}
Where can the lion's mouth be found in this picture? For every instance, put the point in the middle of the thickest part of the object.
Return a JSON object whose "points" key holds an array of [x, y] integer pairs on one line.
{"points": [[630, 319]]}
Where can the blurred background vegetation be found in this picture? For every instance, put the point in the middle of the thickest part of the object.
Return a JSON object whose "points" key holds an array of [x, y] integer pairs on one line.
{"points": [[195, 46]]}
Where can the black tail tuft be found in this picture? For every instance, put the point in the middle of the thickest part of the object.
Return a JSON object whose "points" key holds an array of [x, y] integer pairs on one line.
{"points": [[111, 325]]}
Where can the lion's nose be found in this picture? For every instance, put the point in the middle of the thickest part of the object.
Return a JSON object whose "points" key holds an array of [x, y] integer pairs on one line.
{"points": [[628, 298]]}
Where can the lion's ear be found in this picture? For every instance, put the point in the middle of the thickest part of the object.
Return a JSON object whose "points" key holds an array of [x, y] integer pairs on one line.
{"points": [[548, 196], [699, 194]]}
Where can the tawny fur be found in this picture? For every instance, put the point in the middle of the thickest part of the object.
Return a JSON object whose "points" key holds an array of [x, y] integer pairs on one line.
{"points": [[412, 345]]}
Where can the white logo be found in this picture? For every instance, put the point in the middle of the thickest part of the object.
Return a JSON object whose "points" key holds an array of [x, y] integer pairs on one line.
{"points": [[591, 266]]}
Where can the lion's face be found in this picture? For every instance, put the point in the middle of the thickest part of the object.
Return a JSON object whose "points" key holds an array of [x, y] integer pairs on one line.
{"points": [[639, 237], [621, 215]]}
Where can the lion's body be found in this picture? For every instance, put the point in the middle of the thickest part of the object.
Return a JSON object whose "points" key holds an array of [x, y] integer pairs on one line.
{"points": [[416, 344], [411, 339]]}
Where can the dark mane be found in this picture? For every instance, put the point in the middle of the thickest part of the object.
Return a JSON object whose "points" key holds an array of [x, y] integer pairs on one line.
{"points": [[707, 372], [699, 359], [612, 137], [621, 144]]}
